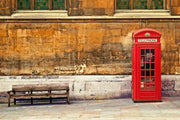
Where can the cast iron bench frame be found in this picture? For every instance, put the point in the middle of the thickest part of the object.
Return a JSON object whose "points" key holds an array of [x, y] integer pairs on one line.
{"points": [[32, 91]]}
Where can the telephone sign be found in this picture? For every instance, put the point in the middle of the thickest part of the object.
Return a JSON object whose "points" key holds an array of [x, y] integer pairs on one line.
{"points": [[147, 40]]}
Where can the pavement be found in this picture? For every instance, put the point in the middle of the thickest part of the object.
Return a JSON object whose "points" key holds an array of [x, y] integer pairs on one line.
{"points": [[114, 109]]}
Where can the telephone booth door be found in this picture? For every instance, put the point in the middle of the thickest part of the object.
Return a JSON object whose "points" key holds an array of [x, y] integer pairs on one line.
{"points": [[146, 83]]}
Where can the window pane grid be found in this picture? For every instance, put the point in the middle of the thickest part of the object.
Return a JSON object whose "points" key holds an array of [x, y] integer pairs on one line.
{"points": [[23, 4], [139, 4], [58, 5], [40, 4], [122, 4], [156, 4], [147, 70]]}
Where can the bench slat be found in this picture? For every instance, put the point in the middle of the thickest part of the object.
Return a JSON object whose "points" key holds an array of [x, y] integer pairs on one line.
{"points": [[60, 88], [21, 89], [60, 95]]}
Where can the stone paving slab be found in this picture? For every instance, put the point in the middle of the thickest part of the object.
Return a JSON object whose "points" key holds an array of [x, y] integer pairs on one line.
{"points": [[116, 109]]}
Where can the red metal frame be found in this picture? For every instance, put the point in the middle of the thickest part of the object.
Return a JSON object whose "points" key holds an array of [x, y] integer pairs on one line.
{"points": [[146, 65]]}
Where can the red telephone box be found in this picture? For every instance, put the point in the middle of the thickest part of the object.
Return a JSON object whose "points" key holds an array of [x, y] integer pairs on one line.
{"points": [[146, 65]]}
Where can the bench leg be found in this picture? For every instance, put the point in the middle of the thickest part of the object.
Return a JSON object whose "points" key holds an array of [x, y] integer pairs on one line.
{"points": [[9, 102], [31, 101], [14, 101], [68, 100], [68, 97], [50, 99]]}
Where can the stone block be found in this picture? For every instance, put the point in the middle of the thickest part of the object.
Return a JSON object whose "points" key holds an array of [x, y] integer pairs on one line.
{"points": [[79, 86], [91, 70], [157, 25], [178, 70], [5, 11], [177, 85], [88, 11], [99, 11], [171, 93], [175, 3], [3, 97], [168, 85], [93, 7], [3, 30], [2, 4], [177, 36]]}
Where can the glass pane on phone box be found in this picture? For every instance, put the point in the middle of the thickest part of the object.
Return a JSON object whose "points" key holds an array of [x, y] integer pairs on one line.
{"points": [[148, 87], [142, 51], [152, 73], [148, 58], [147, 79], [142, 86], [147, 73], [142, 73], [147, 51], [147, 65], [142, 59], [142, 80], [152, 59], [152, 87], [152, 80], [152, 65], [142, 62], [142, 65], [152, 51]]}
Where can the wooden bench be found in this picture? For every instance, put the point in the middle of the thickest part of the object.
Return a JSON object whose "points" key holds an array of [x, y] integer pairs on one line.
{"points": [[40, 91]]}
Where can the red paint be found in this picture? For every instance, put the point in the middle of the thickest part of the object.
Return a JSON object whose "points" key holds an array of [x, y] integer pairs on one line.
{"points": [[146, 65]]}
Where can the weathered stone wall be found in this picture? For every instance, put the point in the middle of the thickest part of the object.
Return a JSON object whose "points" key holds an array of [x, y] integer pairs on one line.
{"points": [[33, 48], [66, 48], [91, 7], [5, 7]]}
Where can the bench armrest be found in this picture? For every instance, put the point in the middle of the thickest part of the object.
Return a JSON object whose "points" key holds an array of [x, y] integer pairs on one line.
{"points": [[9, 91]]}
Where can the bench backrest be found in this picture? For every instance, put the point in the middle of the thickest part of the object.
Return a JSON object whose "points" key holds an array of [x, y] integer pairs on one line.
{"points": [[40, 87], [20, 88]]}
